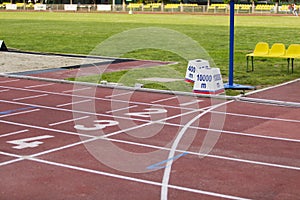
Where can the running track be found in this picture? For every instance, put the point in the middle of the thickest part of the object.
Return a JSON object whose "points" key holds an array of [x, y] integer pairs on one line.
{"points": [[64, 141]]}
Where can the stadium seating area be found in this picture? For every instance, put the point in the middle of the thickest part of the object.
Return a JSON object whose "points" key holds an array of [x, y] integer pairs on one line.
{"points": [[171, 7], [277, 50]]}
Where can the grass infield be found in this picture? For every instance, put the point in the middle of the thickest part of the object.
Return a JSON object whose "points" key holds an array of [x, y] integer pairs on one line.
{"points": [[80, 33]]}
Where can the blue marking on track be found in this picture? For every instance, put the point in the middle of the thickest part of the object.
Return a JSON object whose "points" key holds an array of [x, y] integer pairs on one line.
{"points": [[16, 110], [160, 165]]}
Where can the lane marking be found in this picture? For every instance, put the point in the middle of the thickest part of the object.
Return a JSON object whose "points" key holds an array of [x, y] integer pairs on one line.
{"points": [[43, 128], [73, 103], [6, 90], [10, 154], [19, 113], [208, 155], [160, 165], [41, 85], [237, 133], [75, 90], [145, 120], [82, 142], [93, 97], [167, 171], [11, 162], [122, 177], [14, 133], [166, 99], [120, 94], [10, 81], [147, 112], [120, 109], [103, 136], [30, 97], [70, 120], [258, 117], [191, 102], [16, 110], [31, 142]]}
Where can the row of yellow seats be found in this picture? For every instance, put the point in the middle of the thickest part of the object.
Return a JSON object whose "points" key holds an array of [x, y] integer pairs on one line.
{"points": [[19, 5], [277, 50], [218, 5], [172, 6], [134, 5], [242, 6], [152, 5], [264, 7]]}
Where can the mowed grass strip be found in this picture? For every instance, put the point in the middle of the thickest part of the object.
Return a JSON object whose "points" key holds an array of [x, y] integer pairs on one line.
{"points": [[80, 33]]}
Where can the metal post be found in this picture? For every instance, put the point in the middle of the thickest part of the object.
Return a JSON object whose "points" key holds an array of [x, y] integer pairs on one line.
{"points": [[231, 44], [230, 84]]}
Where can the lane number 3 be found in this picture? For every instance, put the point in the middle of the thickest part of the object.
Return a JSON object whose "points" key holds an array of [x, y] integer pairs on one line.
{"points": [[99, 124]]}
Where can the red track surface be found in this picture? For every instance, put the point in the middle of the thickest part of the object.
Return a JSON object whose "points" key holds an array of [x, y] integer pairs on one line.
{"points": [[100, 68], [54, 147]]}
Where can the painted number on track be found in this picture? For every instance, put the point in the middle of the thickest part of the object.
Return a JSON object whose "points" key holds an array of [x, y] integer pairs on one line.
{"points": [[148, 113], [29, 142], [99, 124]]}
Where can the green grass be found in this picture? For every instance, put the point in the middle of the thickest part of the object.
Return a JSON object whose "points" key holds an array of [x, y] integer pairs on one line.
{"points": [[80, 33]]}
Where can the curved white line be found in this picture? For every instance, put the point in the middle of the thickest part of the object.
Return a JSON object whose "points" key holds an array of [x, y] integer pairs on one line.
{"points": [[166, 177]]}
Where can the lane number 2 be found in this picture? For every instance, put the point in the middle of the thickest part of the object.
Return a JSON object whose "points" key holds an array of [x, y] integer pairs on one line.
{"points": [[148, 113]]}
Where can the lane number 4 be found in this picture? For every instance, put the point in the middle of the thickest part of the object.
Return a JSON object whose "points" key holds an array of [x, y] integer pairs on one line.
{"points": [[29, 142]]}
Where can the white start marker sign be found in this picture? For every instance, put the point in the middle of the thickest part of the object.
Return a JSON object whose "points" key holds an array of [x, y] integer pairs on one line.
{"points": [[208, 81], [193, 67]]}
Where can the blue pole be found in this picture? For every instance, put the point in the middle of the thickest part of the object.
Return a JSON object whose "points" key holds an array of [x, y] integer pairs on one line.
{"points": [[231, 44]]}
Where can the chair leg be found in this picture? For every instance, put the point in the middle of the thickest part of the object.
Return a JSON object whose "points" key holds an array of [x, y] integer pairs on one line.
{"points": [[288, 66], [247, 58], [292, 65], [252, 63]]}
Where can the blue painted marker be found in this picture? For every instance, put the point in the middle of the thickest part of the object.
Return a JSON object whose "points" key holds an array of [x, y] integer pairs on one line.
{"points": [[16, 110], [160, 165]]}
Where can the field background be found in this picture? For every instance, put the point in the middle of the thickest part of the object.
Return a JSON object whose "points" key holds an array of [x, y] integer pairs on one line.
{"points": [[80, 33]]}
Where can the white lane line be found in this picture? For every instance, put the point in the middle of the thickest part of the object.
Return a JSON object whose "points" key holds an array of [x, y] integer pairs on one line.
{"points": [[167, 171], [14, 133], [77, 111], [41, 85], [166, 99], [30, 97], [4, 90], [75, 90], [120, 109], [238, 133], [191, 102], [122, 177], [11, 161], [19, 113], [73, 103], [43, 128], [102, 137], [92, 97], [208, 155], [120, 94], [258, 117], [9, 81], [116, 100], [143, 120], [10, 154], [70, 120]]}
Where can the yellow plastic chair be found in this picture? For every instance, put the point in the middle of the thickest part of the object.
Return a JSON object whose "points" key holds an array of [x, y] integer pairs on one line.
{"points": [[292, 52], [261, 50], [277, 50]]}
